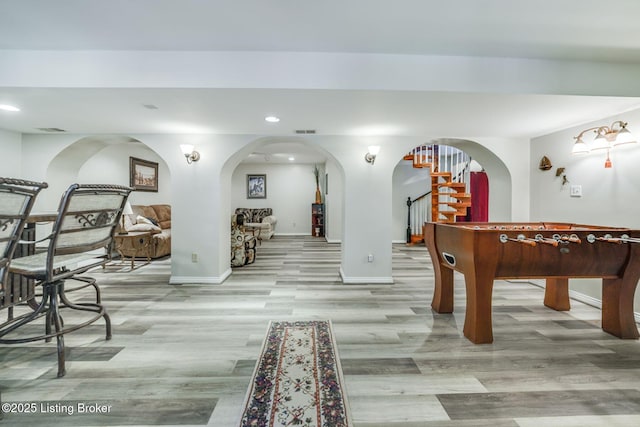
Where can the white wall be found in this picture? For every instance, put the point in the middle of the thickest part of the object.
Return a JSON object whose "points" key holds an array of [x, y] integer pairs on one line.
{"points": [[203, 194], [407, 182], [610, 196], [334, 199], [291, 190], [111, 166], [11, 149]]}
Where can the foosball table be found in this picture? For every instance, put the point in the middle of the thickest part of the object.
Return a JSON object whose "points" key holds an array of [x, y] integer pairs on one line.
{"points": [[483, 252]]}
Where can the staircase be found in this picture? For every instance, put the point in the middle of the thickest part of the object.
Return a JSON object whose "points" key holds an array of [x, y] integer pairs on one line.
{"points": [[448, 197]]}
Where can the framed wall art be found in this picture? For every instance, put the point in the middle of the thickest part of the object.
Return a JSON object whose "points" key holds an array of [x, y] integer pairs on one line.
{"points": [[256, 186], [143, 174]]}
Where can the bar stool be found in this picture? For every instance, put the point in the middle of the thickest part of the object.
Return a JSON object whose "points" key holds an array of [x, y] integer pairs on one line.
{"points": [[81, 239]]}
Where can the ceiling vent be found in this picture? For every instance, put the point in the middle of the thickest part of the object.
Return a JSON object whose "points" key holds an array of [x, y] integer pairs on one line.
{"points": [[51, 130], [305, 131]]}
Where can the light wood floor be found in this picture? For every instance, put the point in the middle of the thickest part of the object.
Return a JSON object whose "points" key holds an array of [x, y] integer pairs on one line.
{"points": [[183, 355]]}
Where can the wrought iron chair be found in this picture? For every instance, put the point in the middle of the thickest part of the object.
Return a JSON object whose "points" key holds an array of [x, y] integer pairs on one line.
{"points": [[81, 239], [17, 197]]}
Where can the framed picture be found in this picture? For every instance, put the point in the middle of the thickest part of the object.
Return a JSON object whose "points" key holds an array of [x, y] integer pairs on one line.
{"points": [[256, 186], [143, 174]]}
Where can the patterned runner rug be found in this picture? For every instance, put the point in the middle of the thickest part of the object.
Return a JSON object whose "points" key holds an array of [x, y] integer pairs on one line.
{"points": [[297, 380]]}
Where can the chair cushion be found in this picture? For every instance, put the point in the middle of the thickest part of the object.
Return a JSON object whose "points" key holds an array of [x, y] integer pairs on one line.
{"points": [[270, 219], [35, 265], [260, 225]]}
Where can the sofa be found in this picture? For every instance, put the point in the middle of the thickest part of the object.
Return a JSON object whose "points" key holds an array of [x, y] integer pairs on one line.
{"points": [[261, 219], [153, 218], [243, 245]]}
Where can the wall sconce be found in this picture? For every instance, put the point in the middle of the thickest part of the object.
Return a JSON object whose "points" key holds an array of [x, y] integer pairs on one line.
{"points": [[607, 137], [189, 153], [370, 157]]}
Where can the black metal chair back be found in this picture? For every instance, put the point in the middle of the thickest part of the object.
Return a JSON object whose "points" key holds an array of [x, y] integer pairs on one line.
{"points": [[82, 233], [17, 197], [87, 220]]}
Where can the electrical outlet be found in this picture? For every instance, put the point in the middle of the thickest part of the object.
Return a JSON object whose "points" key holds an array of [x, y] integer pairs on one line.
{"points": [[194, 257], [370, 258], [575, 190]]}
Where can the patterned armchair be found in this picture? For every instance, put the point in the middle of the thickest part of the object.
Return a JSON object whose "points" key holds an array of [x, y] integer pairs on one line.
{"points": [[260, 218], [243, 245]]}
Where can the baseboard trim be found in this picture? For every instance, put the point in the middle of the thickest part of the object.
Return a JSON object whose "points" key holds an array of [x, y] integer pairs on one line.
{"points": [[578, 296], [365, 280], [190, 280], [292, 234]]}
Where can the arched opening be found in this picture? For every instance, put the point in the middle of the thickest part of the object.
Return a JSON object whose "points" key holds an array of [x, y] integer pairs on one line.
{"points": [[500, 182], [290, 186], [412, 183], [104, 159]]}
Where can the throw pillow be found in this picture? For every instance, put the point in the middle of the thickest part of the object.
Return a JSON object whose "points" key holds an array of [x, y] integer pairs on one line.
{"points": [[145, 227], [144, 220]]}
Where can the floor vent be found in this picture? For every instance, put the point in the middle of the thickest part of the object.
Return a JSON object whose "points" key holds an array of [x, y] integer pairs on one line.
{"points": [[305, 131]]}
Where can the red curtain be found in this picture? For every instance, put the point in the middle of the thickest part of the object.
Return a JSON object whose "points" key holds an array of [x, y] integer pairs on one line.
{"points": [[479, 187]]}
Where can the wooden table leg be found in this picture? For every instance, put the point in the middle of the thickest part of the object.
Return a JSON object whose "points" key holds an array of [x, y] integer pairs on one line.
{"points": [[477, 321], [442, 301], [617, 307], [617, 299], [556, 294]]}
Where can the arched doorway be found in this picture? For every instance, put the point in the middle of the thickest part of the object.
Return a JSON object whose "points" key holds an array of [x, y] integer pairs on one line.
{"points": [[290, 184], [412, 183], [103, 159]]}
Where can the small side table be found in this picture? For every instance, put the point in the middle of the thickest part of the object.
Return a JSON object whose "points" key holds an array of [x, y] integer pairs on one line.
{"points": [[135, 242]]}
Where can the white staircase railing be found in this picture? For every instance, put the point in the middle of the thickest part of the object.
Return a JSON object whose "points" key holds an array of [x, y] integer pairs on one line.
{"points": [[437, 158]]}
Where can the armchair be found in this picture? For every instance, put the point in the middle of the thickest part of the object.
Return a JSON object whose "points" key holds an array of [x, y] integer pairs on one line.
{"points": [[243, 245], [261, 219]]}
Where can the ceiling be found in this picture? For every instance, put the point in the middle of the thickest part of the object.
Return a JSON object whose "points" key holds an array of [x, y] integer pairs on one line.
{"points": [[567, 29], [570, 29]]}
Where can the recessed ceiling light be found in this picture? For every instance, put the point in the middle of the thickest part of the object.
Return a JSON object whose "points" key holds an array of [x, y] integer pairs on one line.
{"points": [[292, 159], [8, 108], [272, 119]]}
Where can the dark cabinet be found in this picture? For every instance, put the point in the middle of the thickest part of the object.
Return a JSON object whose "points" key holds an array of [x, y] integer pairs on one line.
{"points": [[317, 220]]}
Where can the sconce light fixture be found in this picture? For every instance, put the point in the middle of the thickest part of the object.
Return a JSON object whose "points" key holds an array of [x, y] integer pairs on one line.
{"points": [[189, 153], [607, 137], [370, 157]]}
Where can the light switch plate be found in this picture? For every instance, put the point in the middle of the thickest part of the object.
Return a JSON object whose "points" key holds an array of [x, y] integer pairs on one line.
{"points": [[576, 191]]}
